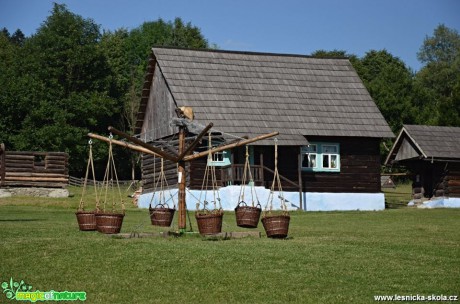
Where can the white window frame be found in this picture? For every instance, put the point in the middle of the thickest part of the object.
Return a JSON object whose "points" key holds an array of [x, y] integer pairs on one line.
{"points": [[226, 155], [323, 151], [309, 152]]}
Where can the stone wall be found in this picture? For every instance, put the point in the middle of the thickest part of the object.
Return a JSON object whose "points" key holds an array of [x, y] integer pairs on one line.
{"points": [[37, 192]]}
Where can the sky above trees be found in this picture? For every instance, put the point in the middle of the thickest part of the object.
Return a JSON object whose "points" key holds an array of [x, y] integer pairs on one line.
{"points": [[71, 77], [291, 26]]}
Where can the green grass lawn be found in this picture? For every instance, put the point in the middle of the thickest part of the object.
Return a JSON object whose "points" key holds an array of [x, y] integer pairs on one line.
{"points": [[330, 257], [398, 197]]}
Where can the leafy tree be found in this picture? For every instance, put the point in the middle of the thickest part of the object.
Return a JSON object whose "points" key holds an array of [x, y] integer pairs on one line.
{"points": [[70, 94], [442, 47], [437, 83], [69, 78], [389, 82], [127, 54], [336, 54], [18, 38]]}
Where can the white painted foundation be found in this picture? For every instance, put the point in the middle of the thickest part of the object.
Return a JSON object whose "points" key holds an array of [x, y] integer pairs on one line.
{"points": [[312, 201]]}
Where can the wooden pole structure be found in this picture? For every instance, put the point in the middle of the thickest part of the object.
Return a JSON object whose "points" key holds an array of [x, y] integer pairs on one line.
{"points": [[181, 176], [231, 146], [194, 143], [123, 144], [143, 144], [180, 160]]}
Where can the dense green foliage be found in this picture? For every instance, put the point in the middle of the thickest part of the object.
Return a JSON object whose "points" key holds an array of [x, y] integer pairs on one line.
{"points": [[331, 257], [430, 96], [71, 78]]}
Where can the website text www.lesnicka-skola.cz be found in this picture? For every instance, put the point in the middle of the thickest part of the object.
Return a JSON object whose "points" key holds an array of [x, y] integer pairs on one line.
{"points": [[417, 297]]}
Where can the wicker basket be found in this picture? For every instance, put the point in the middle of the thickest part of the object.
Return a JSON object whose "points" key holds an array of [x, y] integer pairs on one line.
{"points": [[246, 216], [109, 223], [86, 220], [161, 216], [276, 226], [209, 223]]}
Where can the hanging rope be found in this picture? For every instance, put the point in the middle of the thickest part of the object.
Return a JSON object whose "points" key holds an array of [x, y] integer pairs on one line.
{"points": [[210, 171], [110, 174], [247, 173], [81, 206], [163, 184], [276, 183]]}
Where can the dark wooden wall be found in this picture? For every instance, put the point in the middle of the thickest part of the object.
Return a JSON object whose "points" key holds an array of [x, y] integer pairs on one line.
{"points": [[34, 169], [151, 168], [359, 167], [159, 110], [450, 184], [438, 178], [359, 158]]}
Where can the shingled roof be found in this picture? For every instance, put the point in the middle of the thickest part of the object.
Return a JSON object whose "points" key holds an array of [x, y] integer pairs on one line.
{"points": [[247, 93], [419, 141]]}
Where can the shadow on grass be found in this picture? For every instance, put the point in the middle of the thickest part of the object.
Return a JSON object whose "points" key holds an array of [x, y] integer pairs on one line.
{"points": [[22, 220], [395, 205]]}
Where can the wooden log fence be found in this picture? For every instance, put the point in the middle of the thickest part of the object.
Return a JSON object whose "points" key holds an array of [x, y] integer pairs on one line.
{"points": [[80, 181]]}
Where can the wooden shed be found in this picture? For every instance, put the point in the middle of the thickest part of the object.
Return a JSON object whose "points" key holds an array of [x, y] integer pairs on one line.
{"points": [[330, 128], [432, 155], [28, 169]]}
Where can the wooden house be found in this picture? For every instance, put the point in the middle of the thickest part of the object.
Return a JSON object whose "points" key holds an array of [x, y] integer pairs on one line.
{"points": [[330, 128], [33, 173], [432, 155]]}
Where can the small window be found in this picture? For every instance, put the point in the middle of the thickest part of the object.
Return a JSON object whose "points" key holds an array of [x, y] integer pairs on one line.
{"points": [[330, 156], [321, 157], [220, 159], [309, 157]]}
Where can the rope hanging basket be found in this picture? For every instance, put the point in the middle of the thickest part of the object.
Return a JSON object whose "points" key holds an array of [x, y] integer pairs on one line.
{"points": [[87, 219], [161, 215], [247, 216], [110, 222], [209, 221], [276, 225]]}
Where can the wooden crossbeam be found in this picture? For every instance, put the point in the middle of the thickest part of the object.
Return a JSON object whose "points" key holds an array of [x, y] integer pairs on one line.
{"points": [[139, 142], [195, 142], [123, 144], [230, 146]]}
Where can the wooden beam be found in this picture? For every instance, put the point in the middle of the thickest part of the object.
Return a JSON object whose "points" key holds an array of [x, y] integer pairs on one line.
{"points": [[2, 164], [123, 144], [194, 143], [139, 142], [36, 178], [182, 183], [230, 146]]}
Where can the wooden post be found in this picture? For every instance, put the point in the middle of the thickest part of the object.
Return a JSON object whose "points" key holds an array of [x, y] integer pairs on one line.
{"points": [[181, 182], [2, 164], [262, 177], [299, 169], [194, 143]]}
